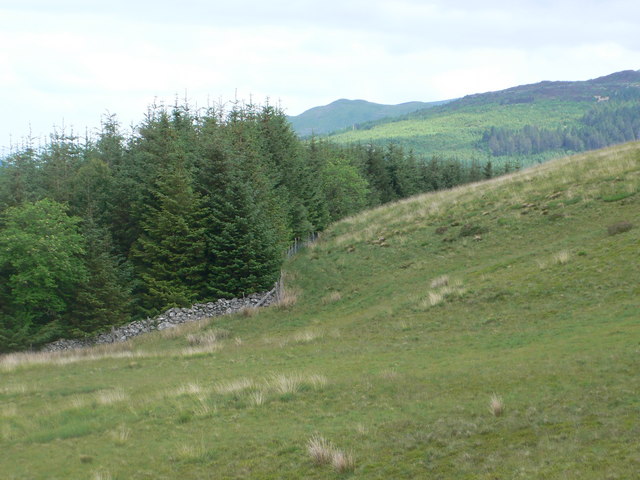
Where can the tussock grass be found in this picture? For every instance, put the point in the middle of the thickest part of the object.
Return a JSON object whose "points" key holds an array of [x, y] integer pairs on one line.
{"points": [[109, 397], [320, 450], [286, 296], [496, 405], [258, 398], [202, 407], [102, 475], [249, 311], [204, 338], [120, 435], [306, 336], [199, 350], [331, 298], [234, 386], [443, 289], [189, 452], [439, 282], [189, 389], [323, 452], [184, 329], [342, 462], [284, 384], [12, 361], [561, 258]]}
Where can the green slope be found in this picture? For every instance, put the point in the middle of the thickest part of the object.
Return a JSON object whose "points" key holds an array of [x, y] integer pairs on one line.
{"points": [[345, 113], [408, 319], [456, 128]]}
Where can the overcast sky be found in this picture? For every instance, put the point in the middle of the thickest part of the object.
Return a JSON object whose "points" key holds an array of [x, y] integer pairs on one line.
{"points": [[70, 61]]}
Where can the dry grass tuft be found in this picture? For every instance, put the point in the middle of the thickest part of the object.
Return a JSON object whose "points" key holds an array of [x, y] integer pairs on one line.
{"points": [[285, 383], [249, 311], [234, 386], [562, 258], [444, 288], [202, 408], [205, 338], [316, 381], [332, 298], [107, 397], [102, 475], [441, 281], [199, 350], [120, 435], [342, 462], [258, 398], [189, 389], [496, 405], [183, 329], [433, 299], [306, 336], [13, 361], [285, 296], [188, 453], [320, 450]]}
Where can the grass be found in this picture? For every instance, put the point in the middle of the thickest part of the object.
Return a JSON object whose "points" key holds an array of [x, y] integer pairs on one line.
{"points": [[401, 389]]}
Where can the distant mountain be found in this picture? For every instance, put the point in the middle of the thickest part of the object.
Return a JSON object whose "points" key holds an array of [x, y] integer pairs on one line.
{"points": [[345, 113], [522, 125], [617, 85]]}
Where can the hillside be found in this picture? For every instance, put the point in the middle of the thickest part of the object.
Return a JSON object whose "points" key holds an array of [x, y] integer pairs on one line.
{"points": [[458, 128], [490, 331], [345, 113]]}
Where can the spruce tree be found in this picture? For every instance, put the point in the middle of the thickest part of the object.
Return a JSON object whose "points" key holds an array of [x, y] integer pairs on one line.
{"points": [[169, 253]]}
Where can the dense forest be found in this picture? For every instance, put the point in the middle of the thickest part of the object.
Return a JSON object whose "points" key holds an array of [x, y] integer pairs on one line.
{"points": [[606, 124], [190, 206]]}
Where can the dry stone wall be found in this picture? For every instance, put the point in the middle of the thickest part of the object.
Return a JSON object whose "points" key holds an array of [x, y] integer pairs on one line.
{"points": [[169, 319]]}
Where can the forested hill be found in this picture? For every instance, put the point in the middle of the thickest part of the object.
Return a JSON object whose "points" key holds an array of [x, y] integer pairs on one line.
{"points": [[570, 116], [345, 113], [191, 207]]}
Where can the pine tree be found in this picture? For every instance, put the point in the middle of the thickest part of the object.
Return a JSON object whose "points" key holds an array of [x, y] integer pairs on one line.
{"points": [[104, 298], [169, 254]]}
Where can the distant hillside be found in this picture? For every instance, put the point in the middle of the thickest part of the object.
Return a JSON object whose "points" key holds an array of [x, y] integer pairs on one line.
{"points": [[562, 110], [345, 113]]}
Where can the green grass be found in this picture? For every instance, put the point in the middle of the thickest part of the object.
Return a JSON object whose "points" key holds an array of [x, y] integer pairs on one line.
{"points": [[540, 309], [457, 132]]}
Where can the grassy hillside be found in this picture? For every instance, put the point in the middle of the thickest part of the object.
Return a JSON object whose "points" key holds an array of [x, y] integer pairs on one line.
{"points": [[345, 113], [487, 332], [456, 128]]}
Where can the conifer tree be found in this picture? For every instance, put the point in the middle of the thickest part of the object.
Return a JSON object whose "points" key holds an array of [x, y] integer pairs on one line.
{"points": [[169, 253]]}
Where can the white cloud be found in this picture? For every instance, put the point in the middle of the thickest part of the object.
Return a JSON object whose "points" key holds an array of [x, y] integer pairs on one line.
{"points": [[76, 59]]}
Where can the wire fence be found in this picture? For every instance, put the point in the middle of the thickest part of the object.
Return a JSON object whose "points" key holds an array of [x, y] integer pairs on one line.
{"points": [[299, 244]]}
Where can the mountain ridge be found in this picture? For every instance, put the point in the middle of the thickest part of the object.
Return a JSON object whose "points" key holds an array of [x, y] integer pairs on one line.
{"points": [[344, 113]]}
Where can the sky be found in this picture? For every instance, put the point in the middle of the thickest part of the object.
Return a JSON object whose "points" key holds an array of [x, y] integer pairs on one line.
{"points": [[66, 64]]}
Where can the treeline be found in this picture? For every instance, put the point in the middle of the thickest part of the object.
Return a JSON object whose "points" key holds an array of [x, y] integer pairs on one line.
{"points": [[192, 206], [604, 125]]}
